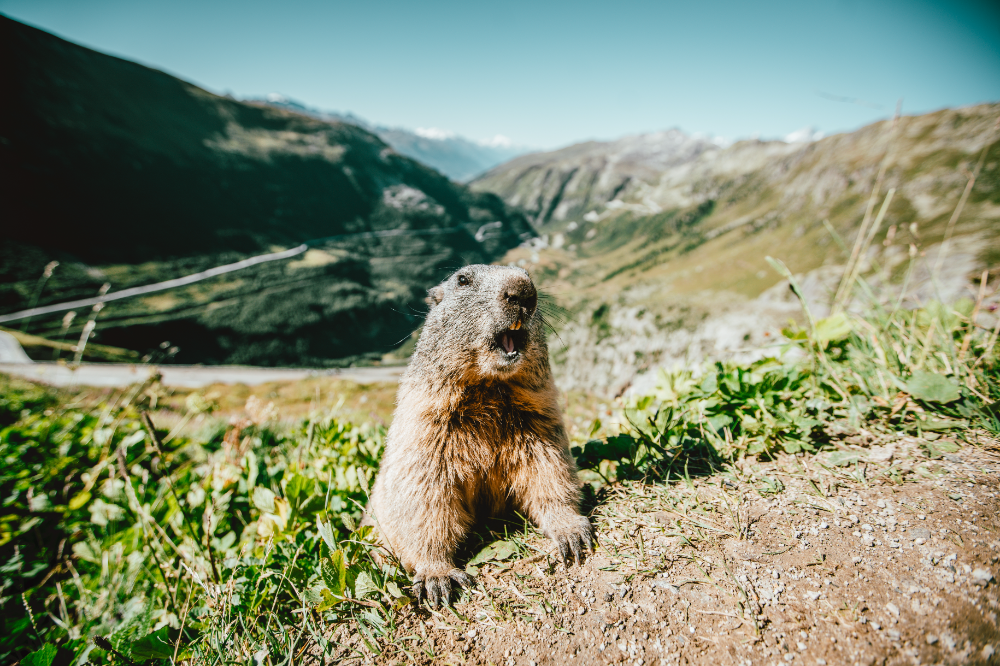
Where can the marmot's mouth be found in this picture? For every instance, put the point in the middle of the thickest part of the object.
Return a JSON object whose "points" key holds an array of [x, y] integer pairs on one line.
{"points": [[511, 343]]}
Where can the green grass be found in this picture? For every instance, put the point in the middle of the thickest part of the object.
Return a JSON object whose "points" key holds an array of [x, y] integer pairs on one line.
{"points": [[242, 542], [120, 542], [848, 375]]}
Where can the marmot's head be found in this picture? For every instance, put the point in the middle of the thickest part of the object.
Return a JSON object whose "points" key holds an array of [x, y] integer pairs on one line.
{"points": [[483, 323]]}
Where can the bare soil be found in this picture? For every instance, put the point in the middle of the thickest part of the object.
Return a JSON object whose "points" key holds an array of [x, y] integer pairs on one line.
{"points": [[888, 558]]}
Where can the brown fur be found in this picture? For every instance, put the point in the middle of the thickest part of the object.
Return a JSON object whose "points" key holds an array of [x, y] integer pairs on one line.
{"points": [[476, 431]]}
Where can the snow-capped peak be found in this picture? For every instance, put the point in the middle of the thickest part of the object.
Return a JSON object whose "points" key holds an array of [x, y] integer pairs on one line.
{"points": [[434, 133], [804, 135]]}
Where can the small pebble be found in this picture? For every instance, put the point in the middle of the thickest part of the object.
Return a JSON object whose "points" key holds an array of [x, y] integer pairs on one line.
{"points": [[982, 577], [931, 639], [988, 652]]}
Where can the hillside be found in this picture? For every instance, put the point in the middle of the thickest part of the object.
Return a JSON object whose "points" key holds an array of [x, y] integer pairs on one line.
{"points": [[665, 263], [127, 176], [565, 184], [455, 156]]}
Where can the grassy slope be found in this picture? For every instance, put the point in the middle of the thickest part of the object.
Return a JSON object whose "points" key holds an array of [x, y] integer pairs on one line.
{"points": [[680, 281], [170, 540], [775, 206], [128, 175]]}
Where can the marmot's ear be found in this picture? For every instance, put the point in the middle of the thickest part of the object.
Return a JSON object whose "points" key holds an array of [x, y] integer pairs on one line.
{"points": [[434, 295]]}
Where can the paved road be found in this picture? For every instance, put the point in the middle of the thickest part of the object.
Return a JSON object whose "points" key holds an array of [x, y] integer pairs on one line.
{"points": [[187, 376]]}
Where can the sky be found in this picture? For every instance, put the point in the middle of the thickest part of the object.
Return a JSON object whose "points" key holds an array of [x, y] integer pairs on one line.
{"points": [[549, 74]]}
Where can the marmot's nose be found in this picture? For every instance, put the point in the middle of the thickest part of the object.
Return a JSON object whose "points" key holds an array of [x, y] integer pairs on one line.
{"points": [[521, 293]]}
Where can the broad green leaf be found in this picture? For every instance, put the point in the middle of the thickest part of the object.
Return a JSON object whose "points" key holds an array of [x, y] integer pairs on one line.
{"points": [[156, 645], [364, 586], [326, 532], [334, 572], [709, 383], [327, 600], [298, 490], [313, 596], [263, 499], [833, 328], [42, 657], [938, 425], [719, 421], [938, 448], [932, 387], [393, 589], [496, 551]]}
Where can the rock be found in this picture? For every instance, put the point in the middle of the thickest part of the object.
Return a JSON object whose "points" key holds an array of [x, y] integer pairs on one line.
{"points": [[988, 652], [919, 533], [982, 577], [666, 585], [893, 609], [931, 639]]}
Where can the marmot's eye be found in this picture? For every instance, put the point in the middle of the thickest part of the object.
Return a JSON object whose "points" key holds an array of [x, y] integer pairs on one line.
{"points": [[463, 281]]}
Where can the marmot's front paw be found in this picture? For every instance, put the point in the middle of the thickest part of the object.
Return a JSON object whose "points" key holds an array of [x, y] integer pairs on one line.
{"points": [[436, 588], [575, 537]]}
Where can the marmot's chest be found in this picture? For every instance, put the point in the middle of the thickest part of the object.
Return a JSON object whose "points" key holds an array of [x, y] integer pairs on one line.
{"points": [[492, 422]]}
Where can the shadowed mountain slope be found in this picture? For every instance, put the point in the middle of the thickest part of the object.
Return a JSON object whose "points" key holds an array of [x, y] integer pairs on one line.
{"points": [[127, 175]]}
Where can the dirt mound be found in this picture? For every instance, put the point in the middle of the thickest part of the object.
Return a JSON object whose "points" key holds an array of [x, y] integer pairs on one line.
{"points": [[878, 555]]}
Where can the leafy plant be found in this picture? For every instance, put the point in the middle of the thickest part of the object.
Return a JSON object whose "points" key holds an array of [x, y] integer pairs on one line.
{"points": [[242, 542]]}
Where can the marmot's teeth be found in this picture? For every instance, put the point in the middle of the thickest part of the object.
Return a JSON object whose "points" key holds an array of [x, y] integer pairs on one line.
{"points": [[516, 325]]}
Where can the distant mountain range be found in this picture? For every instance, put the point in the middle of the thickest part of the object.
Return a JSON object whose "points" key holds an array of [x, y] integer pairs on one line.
{"points": [[567, 183], [657, 243], [456, 157], [129, 176]]}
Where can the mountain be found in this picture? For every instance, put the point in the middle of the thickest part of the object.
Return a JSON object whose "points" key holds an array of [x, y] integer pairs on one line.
{"points": [[456, 157], [656, 245], [128, 176], [567, 183]]}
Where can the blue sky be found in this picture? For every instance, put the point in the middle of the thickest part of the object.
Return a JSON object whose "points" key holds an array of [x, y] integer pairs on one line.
{"points": [[548, 74]]}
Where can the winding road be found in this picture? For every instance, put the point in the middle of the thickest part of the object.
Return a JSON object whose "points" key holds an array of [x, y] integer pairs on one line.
{"points": [[187, 376]]}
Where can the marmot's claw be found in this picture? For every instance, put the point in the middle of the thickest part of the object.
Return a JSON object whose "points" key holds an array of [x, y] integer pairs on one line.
{"points": [[462, 578], [437, 589], [574, 545]]}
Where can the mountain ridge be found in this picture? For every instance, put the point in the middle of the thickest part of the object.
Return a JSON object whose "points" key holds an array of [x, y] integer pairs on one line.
{"points": [[671, 267], [457, 157], [127, 176]]}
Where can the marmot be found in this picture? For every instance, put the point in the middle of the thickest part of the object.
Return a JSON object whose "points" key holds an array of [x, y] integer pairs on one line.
{"points": [[477, 430]]}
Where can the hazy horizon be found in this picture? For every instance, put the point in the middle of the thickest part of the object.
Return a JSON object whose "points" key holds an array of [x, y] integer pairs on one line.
{"points": [[559, 74]]}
